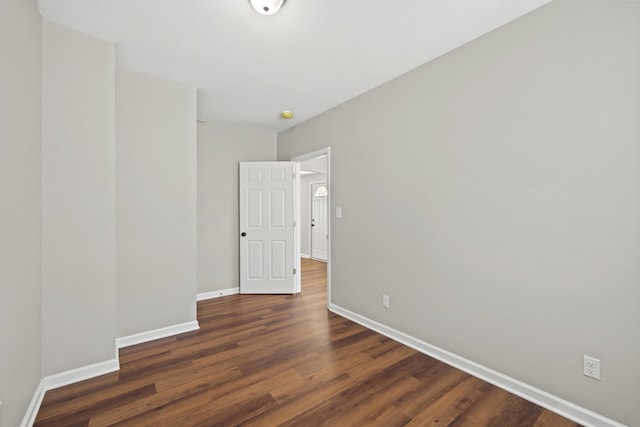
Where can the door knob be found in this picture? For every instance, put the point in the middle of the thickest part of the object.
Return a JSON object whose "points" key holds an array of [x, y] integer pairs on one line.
{"points": [[243, 234]]}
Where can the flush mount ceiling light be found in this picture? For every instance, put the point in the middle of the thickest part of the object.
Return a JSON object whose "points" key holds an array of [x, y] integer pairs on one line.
{"points": [[266, 7]]}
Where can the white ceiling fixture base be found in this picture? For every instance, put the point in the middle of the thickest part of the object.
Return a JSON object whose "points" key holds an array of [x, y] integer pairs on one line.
{"points": [[267, 7]]}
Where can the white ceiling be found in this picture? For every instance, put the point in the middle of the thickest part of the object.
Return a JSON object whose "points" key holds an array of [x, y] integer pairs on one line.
{"points": [[308, 58]]}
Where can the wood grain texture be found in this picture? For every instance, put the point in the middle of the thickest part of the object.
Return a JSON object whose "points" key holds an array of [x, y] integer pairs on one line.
{"points": [[284, 360]]}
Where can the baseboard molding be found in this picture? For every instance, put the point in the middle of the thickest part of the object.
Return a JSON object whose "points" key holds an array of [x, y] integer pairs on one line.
{"points": [[34, 406], [157, 334], [553, 403], [86, 372], [305, 256], [80, 374], [217, 294]]}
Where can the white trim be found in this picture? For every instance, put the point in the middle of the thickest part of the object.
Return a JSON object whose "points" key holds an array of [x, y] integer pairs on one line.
{"points": [[305, 255], [91, 371], [157, 334], [80, 374], [34, 406], [312, 155], [297, 265], [553, 403], [217, 294], [65, 378], [117, 357]]}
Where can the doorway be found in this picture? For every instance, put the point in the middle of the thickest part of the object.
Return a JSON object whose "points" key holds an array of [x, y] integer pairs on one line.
{"points": [[314, 168]]}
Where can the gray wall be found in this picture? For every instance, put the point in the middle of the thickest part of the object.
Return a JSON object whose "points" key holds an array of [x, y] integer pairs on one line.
{"points": [[220, 148], [78, 200], [20, 207], [503, 216], [58, 211], [156, 202]]}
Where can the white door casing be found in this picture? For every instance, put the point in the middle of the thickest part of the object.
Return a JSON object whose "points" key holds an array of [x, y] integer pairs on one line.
{"points": [[319, 214], [266, 228], [326, 153]]}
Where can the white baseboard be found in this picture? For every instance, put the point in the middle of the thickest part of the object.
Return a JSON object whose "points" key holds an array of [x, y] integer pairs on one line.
{"points": [[305, 255], [86, 372], [34, 406], [217, 294], [157, 334], [553, 403], [80, 374], [61, 379]]}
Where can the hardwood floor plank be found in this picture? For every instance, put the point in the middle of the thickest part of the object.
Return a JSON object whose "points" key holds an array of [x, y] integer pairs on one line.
{"points": [[379, 364], [284, 360], [364, 410], [518, 413], [484, 413], [431, 391], [388, 417], [192, 391], [315, 395], [80, 414], [549, 419], [449, 407]]}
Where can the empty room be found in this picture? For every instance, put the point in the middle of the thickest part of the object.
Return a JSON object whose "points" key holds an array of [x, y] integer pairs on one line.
{"points": [[306, 213]]}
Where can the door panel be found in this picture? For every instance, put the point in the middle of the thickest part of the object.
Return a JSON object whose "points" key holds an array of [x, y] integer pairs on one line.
{"points": [[266, 220], [278, 209], [254, 253], [278, 262], [254, 207]]}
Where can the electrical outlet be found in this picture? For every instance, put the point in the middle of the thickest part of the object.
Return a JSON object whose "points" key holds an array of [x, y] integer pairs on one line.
{"points": [[591, 367], [385, 301]]}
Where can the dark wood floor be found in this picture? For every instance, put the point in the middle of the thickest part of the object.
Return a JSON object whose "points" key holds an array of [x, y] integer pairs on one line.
{"points": [[284, 360]]}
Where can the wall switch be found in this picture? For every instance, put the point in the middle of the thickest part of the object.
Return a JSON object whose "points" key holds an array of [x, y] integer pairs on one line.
{"points": [[385, 301], [591, 367], [338, 212]]}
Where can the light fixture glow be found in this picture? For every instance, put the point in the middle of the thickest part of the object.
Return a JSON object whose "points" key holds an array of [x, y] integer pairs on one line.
{"points": [[266, 7]]}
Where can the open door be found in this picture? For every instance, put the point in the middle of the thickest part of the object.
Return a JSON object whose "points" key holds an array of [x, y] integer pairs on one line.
{"points": [[267, 260]]}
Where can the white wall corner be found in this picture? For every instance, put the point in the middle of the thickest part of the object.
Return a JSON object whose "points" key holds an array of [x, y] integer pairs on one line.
{"points": [[546, 400], [117, 357], [80, 374], [217, 294], [157, 334], [34, 406]]}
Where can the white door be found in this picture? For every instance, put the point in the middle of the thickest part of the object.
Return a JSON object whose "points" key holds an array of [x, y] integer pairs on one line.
{"points": [[266, 228], [319, 231]]}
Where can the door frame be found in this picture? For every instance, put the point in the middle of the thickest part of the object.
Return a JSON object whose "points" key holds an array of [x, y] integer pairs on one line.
{"points": [[311, 184], [326, 151]]}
